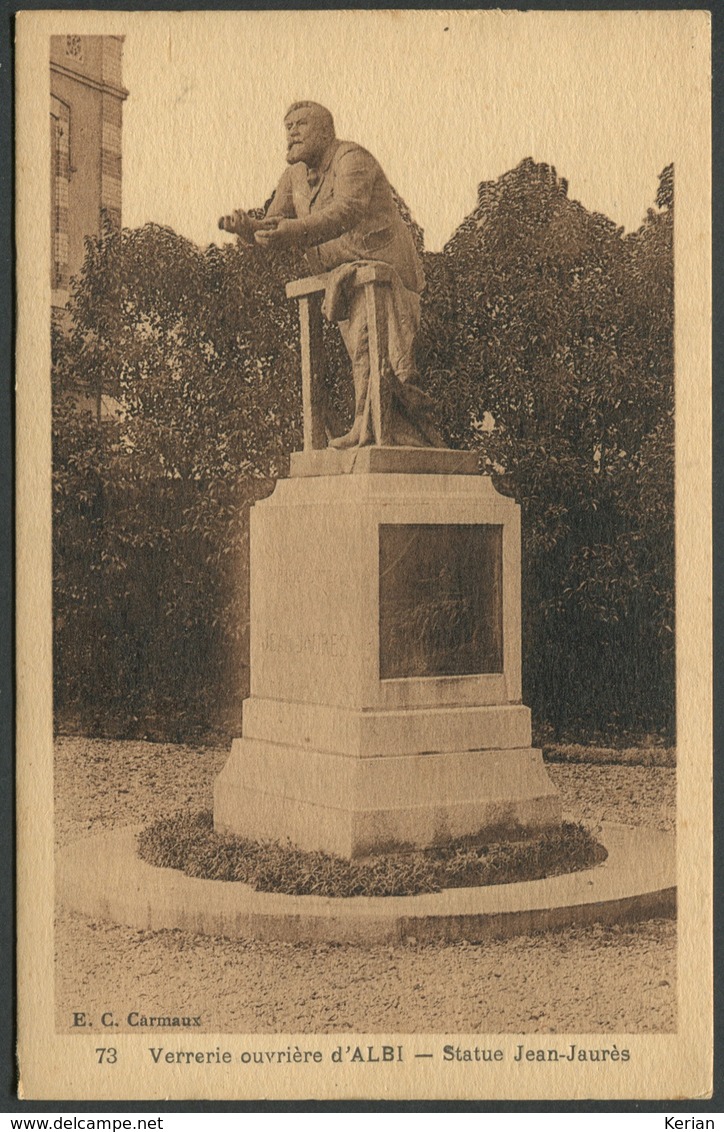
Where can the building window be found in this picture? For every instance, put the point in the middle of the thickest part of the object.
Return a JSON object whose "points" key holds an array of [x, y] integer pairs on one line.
{"points": [[74, 47], [59, 183]]}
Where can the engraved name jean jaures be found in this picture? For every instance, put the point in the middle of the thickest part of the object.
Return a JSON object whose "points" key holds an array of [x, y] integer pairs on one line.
{"points": [[335, 201]]}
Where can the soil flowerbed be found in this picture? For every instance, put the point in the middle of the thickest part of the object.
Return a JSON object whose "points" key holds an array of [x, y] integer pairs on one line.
{"points": [[188, 842]]}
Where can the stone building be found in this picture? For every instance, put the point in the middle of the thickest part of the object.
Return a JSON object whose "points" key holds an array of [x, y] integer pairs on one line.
{"points": [[86, 114]]}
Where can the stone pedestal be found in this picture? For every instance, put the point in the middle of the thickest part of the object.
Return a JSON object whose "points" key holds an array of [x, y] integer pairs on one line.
{"points": [[385, 705]]}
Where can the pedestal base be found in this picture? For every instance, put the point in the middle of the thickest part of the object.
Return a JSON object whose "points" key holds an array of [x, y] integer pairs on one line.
{"points": [[385, 661], [355, 807]]}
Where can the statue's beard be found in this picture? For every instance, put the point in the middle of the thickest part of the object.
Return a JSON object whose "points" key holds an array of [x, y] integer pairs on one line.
{"points": [[304, 151], [298, 151]]}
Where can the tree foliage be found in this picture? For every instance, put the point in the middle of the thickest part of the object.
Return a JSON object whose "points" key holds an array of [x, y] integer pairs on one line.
{"points": [[560, 329], [151, 532], [540, 319]]}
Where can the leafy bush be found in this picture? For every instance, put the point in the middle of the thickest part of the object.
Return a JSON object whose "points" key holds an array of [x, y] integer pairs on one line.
{"points": [[545, 319], [151, 509], [189, 843]]}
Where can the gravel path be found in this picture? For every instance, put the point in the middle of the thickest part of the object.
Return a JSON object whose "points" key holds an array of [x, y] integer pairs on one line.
{"points": [[595, 980]]}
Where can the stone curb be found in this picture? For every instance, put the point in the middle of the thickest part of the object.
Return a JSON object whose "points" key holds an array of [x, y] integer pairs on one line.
{"points": [[103, 877]]}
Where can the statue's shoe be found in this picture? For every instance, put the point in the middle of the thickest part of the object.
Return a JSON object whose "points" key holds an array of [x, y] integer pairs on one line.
{"points": [[349, 440]]}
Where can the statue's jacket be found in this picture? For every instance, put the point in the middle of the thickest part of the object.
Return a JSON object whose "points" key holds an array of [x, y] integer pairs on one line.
{"points": [[348, 213]]}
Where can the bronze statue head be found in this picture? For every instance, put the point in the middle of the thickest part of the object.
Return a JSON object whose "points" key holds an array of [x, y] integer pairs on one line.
{"points": [[310, 129]]}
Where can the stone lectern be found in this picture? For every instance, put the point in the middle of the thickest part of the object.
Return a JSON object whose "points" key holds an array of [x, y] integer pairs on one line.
{"points": [[385, 707]]}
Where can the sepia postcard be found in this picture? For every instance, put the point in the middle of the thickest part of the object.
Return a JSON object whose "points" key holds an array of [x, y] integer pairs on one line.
{"points": [[364, 555]]}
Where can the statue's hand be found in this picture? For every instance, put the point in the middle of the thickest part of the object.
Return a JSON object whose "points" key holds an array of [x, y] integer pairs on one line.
{"points": [[240, 224], [277, 233]]}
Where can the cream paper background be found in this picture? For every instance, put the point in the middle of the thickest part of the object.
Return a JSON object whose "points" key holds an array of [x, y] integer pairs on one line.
{"points": [[655, 97]]}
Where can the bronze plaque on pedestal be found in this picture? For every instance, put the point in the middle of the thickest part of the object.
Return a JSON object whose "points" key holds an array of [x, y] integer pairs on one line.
{"points": [[441, 599]]}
